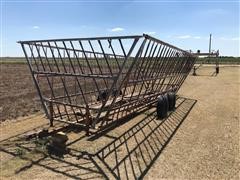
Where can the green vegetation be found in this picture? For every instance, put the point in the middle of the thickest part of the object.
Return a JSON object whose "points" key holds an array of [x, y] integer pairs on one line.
{"points": [[221, 60], [13, 60], [206, 60]]}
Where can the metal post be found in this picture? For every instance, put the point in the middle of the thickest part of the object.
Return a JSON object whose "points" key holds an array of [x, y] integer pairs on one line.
{"points": [[194, 71], [217, 63], [51, 113], [209, 50], [210, 43], [87, 120]]}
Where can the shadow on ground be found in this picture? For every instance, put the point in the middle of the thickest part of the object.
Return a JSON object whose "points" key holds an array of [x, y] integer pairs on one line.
{"points": [[128, 155]]}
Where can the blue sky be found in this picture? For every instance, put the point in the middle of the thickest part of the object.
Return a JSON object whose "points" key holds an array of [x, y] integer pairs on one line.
{"points": [[186, 24]]}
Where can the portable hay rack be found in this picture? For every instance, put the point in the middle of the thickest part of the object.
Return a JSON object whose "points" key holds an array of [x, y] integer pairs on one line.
{"points": [[97, 81]]}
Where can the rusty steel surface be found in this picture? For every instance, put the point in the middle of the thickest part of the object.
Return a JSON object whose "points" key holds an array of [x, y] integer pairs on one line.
{"points": [[94, 82]]}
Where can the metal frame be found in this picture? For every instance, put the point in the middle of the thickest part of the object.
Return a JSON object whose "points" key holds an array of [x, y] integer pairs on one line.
{"points": [[96, 81], [210, 55]]}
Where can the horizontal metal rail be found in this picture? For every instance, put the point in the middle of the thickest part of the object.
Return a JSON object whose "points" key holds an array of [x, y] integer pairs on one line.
{"points": [[82, 39], [50, 74], [78, 50]]}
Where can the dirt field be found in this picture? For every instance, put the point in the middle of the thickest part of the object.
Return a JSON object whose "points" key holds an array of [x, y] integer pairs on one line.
{"points": [[18, 94], [199, 140]]}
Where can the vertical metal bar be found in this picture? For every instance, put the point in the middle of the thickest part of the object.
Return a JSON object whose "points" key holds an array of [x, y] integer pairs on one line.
{"points": [[171, 66], [177, 70], [64, 85], [151, 74], [106, 59], [74, 51], [84, 78], [50, 86], [139, 70], [31, 49], [89, 65], [35, 82], [100, 70], [74, 71], [141, 73], [166, 68], [59, 53], [124, 53], [117, 78], [166, 55], [58, 69], [149, 69], [134, 86], [45, 52], [44, 69], [110, 45], [51, 112], [158, 65], [183, 71]]}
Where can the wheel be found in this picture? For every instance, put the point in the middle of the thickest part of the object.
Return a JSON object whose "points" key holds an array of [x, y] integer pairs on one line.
{"points": [[171, 101], [102, 95], [162, 107], [165, 97]]}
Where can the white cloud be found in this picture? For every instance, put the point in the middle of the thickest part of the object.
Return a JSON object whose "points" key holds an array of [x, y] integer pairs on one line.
{"points": [[184, 37], [116, 29], [197, 37], [35, 27]]}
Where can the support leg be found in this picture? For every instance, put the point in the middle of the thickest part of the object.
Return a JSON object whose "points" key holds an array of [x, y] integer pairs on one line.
{"points": [[51, 113], [194, 71]]}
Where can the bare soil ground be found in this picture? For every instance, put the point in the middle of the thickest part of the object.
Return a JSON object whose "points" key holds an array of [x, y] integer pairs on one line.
{"points": [[199, 140], [18, 94]]}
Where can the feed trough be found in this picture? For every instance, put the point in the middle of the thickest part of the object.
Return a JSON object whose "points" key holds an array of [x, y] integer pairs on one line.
{"points": [[94, 82]]}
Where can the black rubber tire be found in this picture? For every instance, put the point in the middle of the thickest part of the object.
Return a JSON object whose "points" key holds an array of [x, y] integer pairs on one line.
{"points": [[171, 101], [102, 95], [165, 96], [162, 107]]}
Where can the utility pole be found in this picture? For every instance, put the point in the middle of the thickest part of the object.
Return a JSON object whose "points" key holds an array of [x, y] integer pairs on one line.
{"points": [[217, 63], [210, 43], [209, 50]]}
